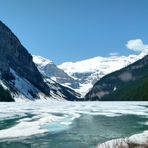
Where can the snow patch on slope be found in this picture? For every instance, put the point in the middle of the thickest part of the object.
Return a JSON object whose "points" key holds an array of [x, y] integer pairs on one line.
{"points": [[24, 90], [3, 85]]}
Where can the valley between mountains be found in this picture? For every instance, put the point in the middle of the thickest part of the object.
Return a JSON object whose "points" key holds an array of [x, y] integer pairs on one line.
{"points": [[24, 77], [47, 89]]}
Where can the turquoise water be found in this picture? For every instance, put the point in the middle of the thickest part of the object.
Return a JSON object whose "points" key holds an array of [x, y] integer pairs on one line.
{"points": [[72, 125]]}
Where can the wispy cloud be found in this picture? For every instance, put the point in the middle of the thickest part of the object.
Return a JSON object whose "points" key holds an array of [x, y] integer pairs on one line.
{"points": [[137, 45], [114, 54]]}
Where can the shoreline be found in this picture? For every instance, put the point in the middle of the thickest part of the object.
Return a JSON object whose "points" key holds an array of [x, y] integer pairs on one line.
{"points": [[134, 141]]}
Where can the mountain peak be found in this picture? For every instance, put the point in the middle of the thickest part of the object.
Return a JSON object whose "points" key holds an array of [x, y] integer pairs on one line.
{"points": [[40, 60]]}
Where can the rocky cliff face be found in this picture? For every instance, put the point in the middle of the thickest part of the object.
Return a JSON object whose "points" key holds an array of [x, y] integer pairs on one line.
{"points": [[14, 55]]}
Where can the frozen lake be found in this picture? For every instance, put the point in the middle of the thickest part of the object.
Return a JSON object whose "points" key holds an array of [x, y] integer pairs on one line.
{"points": [[69, 124]]}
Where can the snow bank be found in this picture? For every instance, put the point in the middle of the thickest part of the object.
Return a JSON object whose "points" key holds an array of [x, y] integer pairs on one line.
{"points": [[135, 141]]}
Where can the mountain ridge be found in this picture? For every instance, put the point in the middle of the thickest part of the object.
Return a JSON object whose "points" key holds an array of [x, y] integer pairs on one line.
{"points": [[81, 75], [128, 84]]}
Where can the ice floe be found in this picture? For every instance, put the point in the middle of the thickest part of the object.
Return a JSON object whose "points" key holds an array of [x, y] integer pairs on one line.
{"points": [[34, 118]]}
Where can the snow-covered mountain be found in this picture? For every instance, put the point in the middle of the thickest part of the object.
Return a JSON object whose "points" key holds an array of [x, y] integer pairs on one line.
{"points": [[87, 72], [82, 75], [49, 69], [127, 84]]}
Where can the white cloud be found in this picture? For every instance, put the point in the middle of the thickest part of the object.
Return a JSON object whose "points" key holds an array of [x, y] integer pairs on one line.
{"points": [[137, 45], [113, 54]]}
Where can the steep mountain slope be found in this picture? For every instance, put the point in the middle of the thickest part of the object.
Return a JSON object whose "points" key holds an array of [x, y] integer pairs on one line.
{"points": [[20, 76], [60, 92], [129, 83], [49, 69], [88, 72], [52, 75], [14, 55]]}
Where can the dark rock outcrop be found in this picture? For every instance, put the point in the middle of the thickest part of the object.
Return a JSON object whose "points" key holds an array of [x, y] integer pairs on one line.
{"points": [[5, 95]]}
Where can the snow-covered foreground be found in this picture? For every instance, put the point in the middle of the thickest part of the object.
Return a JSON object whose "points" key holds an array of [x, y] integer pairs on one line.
{"points": [[92, 122], [134, 141]]}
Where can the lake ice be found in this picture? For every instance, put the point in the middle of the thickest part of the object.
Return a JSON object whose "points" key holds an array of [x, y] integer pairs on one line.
{"points": [[69, 124]]}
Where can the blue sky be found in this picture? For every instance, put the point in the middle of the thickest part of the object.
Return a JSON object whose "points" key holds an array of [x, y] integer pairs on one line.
{"points": [[71, 30]]}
